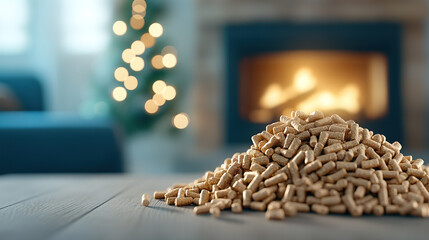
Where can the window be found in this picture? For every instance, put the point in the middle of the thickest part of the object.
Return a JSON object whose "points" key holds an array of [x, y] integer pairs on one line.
{"points": [[85, 25], [14, 15]]}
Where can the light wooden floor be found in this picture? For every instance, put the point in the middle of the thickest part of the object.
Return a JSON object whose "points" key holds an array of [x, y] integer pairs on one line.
{"points": [[108, 207]]}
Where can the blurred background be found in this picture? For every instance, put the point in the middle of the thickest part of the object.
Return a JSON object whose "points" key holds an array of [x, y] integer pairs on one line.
{"points": [[161, 86]]}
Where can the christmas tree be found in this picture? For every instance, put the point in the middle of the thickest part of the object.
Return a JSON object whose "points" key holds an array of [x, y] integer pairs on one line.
{"points": [[138, 95]]}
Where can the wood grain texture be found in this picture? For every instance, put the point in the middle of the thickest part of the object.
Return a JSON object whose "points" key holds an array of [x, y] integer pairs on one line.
{"points": [[16, 189], [123, 217], [105, 207], [40, 217]]}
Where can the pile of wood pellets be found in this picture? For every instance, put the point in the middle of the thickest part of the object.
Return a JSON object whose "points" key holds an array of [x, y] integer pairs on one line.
{"points": [[311, 162]]}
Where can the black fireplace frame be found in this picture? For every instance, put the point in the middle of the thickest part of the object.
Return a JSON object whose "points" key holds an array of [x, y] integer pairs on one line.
{"points": [[244, 40]]}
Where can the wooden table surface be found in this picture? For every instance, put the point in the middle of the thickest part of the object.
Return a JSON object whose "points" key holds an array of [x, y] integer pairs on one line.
{"points": [[108, 207]]}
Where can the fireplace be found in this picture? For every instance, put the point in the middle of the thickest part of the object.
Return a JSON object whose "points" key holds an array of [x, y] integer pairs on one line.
{"points": [[348, 68], [354, 85], [248, 48]]}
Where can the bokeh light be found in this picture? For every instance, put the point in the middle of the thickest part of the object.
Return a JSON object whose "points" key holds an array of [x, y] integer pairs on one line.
{"points": [[158, 86], [131, 83], [137, 64], [119, 28], [156, 30], [121, 74], [128, 55], [157, 62], [137, 22], [139, 2], [169, 49], [158, 99], [150, 106], [148, 40], [138, 47], [181, 121], [139, 8], [169, 93], [169, 60], [119, 94]]}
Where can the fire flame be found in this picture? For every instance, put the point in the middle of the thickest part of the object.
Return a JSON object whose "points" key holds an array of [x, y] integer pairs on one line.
{"points": [[275, 95], [304, 80], [346, 99]]}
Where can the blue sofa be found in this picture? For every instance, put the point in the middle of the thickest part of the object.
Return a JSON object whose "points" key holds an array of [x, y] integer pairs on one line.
{"points": [[37, 141]]}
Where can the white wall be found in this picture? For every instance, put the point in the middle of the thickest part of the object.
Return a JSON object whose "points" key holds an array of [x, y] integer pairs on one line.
{"points": [[64, 72]]}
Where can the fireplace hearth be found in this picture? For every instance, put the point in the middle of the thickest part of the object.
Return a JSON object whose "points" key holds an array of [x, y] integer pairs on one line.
{"points": [[348, 68]]}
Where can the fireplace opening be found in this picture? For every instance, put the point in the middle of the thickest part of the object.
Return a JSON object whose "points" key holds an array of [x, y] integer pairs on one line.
{"points": [[353, 69], [351, 84]]}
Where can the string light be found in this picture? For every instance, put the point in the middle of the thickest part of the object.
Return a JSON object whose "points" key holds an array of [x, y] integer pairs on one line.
{"points": [[157, 62], [169, 60], [169, 93], [137, 22], [156, 30], [148, 40], [131, 83], [137, 64], [139, 2], [158, 99], [150, 106], [128, 55], [180, 121], [158, 86], [138, 47], [138, 8], [119, 94], [119, 28], [121, 74]]}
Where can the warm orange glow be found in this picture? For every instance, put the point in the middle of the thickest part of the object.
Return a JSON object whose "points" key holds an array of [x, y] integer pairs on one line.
{"points": [[158, 86], [121, 74], [276, 95], [261, 116], [379, 93], [119, 28], [128, 55], [150, 106], [273, 96], [169, 93], [131, 83], [138, 47], [148, 40], [137, 22], [181, 121], [158, 99], [169, 60], [346, 100], [119, 94], [156, 30], [157, 62], [137, 64], [304, 80], [352, 84]]}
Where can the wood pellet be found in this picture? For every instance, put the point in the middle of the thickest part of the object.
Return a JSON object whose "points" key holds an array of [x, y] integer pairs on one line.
{"points": [[145, 199], [310, 162]]}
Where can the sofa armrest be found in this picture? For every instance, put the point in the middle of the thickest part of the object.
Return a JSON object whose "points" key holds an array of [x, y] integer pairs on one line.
{"points": [[40, 142]]}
